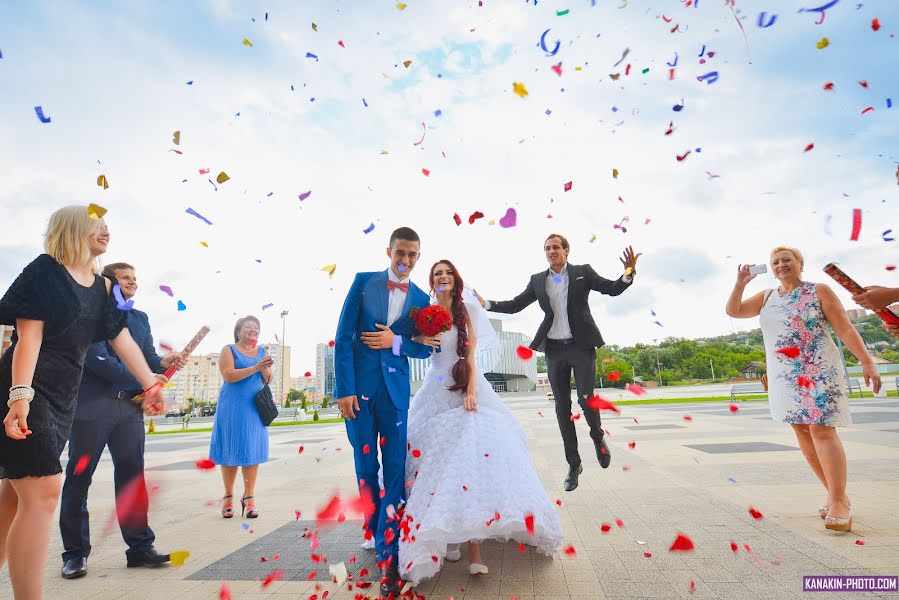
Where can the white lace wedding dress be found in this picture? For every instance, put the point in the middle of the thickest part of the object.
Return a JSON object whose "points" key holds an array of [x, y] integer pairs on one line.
{"points": [[473, 477]]}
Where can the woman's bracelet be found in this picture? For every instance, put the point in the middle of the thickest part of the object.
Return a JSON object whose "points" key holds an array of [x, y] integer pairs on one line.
{"points": [[20, 392]]}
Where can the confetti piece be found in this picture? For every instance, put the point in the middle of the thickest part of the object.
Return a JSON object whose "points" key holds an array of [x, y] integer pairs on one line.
{"points": [[632, 445], [867, 110], [734, 408], [103, 182], [340, 43], [763, 22], [598, 403], [889, 103], [82, 464], [95, 211], [647, 554], [875, 24], [635, 389], [407, 63], [734, 547], [804, 382], [613, 376], [39, 111], [222, 178], [529, 523], [543, 44], [614, 173], [519, 89], [121, 303], [269, 305], [710, 77], [756, 514], [166, 289], [276, 575], [310, 55], [821, 8], [561, 13], [682, 157], [570, 551], [205, 464], [369, 229], [860, 542], [426, 172], [789, 352], [856, 224], [809, 147], [682, 544], [509, 219], [605, 528], [416, 453], [558, 69], [191, 211], [329, 269], [176, 138], [887, 237], [178, 557], [732, 480], [204, 244], [224, 592], [823, 43], [247, 43], [688, 418], [304, 195], [524, 353], [692, 585], [181, 305]]}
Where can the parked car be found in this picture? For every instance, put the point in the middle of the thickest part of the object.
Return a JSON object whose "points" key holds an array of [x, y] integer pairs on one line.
{"points": [[174, 412], [207, 411], [550, 396]]}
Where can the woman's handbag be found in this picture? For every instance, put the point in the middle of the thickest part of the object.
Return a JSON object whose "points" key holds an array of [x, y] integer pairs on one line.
{"points": [[265, 404]]}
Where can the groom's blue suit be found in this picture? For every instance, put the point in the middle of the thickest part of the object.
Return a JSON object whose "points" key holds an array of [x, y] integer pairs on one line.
{"points": [[380, 381]]}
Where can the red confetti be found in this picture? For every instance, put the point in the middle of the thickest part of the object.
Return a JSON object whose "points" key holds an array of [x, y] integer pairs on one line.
{"points": [[82, 464], [734, 408], [300, 450], [647, 554], [859, 542], [567, 187], [734, 547], [804, 382], [524, 353], [575, 417], [205, 464], [416, 453], [682, 544], [891, 267], [330, 511], [635, 389], [789, 352], [867, 110], [605, 528], [688, 418], [875, 24], [598, 403], [809, 147], [529, 523], [475, 216], [340, 43], [425, 172], [307, 374], [435, 559], [828, 86], [558, 502], [755, 513], [224, 592], [863, 83], [619, 522], [692, 585], [521, 548], [570, 551], [276, 575], [613, 376], [331, 343], [856, 224], [464, 488], [558, 69], [632, 445], [312, 575], [682, 157], [366, 449], [457, 219], [625, 468], [382, 441]]}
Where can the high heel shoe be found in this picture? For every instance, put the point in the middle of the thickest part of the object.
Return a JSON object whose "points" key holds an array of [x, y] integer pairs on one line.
{"points": [[251, 511], [822, 512], [478, 569], [838, 524], [227, 508]]}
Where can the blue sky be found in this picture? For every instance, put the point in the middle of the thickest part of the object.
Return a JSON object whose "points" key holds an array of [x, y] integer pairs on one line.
{"points": [[112, 76]]}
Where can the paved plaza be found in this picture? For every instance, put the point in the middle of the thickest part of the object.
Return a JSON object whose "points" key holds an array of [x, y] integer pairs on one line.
{"points": [[698, 477]]}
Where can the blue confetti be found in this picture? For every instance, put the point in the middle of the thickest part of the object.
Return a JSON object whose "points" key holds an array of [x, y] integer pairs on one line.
{"points": [[819, 8], [1, 53], [266, 16], [191, 82], [39, 111], [614, 109], [543, 44], [548, 112], [678, 107], [121, 303], [889, 103], [763, 23], [674, 62], [698, 150], [732, 480], [557, 278], [438, 112], [269, 305], [291, 88], [710, 77], [887, 233], [365, 103], [701, 52], [269, 194], [191, 211], [245, 526], [391, 370], [310, 55], [181, 305], [369, 229]]}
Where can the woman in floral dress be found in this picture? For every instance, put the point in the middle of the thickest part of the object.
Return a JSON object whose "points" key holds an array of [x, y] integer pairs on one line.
{"points": [[807, 385]]}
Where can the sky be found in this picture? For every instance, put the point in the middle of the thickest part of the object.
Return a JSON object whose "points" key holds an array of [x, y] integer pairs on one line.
{"points": [[356, 127]]}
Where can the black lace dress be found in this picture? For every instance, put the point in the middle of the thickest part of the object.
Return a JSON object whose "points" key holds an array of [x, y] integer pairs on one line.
{"points": [[74, 316]]}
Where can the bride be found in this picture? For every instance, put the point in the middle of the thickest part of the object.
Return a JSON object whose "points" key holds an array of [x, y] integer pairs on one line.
{"points": [[468, 464]]}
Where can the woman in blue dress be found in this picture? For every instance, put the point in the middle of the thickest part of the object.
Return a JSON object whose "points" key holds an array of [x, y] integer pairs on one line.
{"points": [[239, 437]]}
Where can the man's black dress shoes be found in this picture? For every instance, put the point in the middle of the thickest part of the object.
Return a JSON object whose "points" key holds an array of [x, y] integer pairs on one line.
{"points": [[391, 584], [571, 480], [74, 568], [603, 454], [148, 558]]}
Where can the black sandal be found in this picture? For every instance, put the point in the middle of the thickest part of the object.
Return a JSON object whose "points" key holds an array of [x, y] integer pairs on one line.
{"points": [[227, 509], [251, 511]]}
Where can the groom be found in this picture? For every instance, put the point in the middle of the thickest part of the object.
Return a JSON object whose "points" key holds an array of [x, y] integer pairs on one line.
{"points": [[373, 343], [569, 337]]}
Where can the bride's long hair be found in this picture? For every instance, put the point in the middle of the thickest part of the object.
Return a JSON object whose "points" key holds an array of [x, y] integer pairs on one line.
{"points": [[461, 370]]}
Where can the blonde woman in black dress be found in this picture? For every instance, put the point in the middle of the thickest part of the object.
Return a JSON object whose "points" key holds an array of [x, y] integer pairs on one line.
{"points": [[59, 306]]}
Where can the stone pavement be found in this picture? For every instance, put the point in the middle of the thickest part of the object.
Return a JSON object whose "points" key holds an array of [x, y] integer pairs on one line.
{"points": [[698, 477]]}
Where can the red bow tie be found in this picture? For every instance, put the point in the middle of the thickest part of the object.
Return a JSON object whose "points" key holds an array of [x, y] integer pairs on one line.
{"points": [[392, 285]]}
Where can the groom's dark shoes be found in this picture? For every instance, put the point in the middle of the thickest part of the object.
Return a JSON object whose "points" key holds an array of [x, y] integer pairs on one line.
{"points": [[603, 454], [74, 568], [148, 558], [390, 580], [571, 480]]}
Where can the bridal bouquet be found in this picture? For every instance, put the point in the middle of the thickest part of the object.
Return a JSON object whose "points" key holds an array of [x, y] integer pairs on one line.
{"points": [[431, 320]]}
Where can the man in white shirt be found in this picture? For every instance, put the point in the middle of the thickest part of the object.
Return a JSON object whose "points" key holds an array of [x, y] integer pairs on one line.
{"points": [[569, 337]]}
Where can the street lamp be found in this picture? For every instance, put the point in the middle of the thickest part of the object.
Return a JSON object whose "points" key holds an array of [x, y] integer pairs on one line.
{"points": [[658, 363], [283, 334]]}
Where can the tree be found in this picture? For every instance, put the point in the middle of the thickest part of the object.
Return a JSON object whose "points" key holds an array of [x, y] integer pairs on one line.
{"points": [[294, 394], [541, 363], [315, 416], [326, 401]]}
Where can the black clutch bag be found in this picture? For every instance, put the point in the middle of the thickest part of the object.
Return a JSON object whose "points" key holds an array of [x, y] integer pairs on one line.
{"points": [[265, 404]]}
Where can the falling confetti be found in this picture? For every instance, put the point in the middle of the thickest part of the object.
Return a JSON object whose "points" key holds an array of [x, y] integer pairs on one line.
{"points": [[822, 43], [95, 211], [39, 111], [756, 514], [82, 464], [103, 182], [329, 269], [856, 224], [222, 178], [519, 89], [178, 557], [524, 353], [247, 43]]}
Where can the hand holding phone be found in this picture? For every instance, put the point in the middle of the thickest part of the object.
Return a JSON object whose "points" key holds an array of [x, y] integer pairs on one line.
{"points": [[758, 269]]}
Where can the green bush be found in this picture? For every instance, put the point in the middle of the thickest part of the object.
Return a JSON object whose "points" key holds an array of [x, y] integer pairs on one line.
{"points": [[315, 416]]}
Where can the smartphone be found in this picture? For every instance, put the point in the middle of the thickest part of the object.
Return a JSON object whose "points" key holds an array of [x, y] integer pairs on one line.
{"points": [[758, 269]]}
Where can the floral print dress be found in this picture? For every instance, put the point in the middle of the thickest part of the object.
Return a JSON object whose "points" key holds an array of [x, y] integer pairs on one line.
{"points": [[806, 380]]}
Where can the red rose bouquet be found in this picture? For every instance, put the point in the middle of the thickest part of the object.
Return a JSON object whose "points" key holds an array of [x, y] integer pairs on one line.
{"points": [[431, 320]]}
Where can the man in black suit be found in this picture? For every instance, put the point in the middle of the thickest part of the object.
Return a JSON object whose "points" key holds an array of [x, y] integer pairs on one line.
{"points": [[569, 337]]}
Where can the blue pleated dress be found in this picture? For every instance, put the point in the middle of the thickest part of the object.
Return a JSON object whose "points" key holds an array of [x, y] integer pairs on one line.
{"points": [[239, 438]]}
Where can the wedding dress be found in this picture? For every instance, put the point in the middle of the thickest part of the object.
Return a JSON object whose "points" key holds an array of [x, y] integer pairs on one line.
{"points": [[470, 472]]}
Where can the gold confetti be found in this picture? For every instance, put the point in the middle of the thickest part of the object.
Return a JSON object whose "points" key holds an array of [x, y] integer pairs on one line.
{"points": [[204, 244], [222, 177], [178, 557], [578, 69], [823, 43], [615, 173], [329, 269], [519, 89], [95, 211], [102, 182], [247, 43], [176, 138], [384, 152], [314, 27], [401, 6], [384, 75], [593, 238], [491, 222], [407, 63]]}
